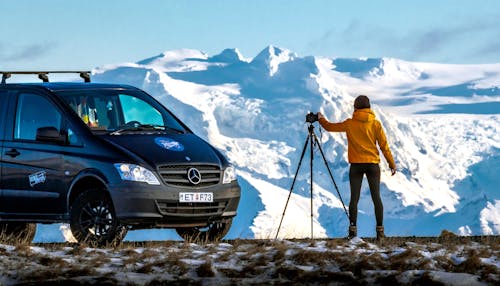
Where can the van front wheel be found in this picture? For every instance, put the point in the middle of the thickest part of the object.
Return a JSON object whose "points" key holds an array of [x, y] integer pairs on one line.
{"points": [[93, 220]]}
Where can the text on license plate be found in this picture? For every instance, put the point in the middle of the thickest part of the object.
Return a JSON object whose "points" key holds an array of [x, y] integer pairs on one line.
{"points": [[196, 197]]}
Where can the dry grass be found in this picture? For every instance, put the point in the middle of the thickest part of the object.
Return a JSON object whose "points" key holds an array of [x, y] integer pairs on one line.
{"points": [[254, 262], [205, 269]]}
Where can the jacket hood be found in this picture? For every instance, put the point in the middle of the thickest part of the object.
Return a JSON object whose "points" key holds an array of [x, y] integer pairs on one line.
{"points": [[364, 115], [168, 149]]}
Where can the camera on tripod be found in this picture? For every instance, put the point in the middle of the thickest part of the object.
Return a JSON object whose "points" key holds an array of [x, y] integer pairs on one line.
{"points": [[311, 141], [311, 117]]}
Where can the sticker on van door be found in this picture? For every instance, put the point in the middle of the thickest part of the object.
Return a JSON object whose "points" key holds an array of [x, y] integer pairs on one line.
{"points": [[37, 178], [169, 144]]}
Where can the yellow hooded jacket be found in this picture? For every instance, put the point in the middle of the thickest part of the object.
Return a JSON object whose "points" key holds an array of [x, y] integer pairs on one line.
{"points": [[363, 134]]}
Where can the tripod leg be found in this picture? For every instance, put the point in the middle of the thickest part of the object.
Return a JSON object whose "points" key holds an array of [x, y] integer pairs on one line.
{"points": [[293, 183], [311, 183], [330, 173]]}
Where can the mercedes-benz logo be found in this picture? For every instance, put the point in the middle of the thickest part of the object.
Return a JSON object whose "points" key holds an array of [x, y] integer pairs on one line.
{"points": [[194, 176]]}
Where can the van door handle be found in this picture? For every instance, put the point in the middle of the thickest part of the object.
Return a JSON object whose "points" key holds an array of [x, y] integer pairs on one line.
{"points": [[13, 153]]}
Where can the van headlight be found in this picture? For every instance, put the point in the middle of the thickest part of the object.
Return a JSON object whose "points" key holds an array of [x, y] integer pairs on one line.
{"points": [[136, 173], [229, 175]]}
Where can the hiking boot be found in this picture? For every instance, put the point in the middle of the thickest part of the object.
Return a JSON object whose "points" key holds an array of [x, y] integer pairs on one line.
{"points": [[353, 232], [380, 233]]}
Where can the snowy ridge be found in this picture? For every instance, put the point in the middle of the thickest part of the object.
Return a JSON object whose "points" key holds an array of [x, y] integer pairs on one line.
{"points": [[441, 122]]}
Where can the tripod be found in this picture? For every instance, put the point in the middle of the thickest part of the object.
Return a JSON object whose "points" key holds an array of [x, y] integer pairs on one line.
{"points": [[311, 139]]}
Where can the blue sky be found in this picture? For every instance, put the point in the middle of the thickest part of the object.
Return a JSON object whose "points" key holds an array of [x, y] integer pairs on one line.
{"points": [[83, 34]]}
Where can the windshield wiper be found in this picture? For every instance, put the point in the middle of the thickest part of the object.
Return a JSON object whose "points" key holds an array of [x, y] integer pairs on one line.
{"points": [[161, 127], [145, 127]]}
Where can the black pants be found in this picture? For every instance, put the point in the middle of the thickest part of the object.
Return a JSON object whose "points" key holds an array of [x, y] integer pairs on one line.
{"points": [[356, 173]]}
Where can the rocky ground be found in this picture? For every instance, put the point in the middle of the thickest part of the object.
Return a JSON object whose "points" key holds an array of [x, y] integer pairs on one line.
{"points": [[444, 260]]}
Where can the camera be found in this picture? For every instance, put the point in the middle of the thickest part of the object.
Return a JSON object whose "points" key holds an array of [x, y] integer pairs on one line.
{"points": [[311, 117]]}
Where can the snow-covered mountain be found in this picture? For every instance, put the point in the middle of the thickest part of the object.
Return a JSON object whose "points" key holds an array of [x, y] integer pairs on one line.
{"points": [[441, 120]]}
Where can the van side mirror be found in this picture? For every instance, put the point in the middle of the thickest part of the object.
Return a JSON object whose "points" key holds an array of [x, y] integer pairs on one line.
{"points": [[51, 134]]}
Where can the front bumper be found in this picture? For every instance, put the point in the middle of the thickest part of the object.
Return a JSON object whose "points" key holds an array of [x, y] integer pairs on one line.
{"points": [[140, 205]]}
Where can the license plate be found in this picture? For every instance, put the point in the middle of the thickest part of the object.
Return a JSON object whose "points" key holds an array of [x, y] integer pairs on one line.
{"points": [[196, 197]]}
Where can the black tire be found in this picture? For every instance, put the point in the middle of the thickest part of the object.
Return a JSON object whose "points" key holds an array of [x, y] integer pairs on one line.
{"points": [[212, 233], [17, 232], [93, 220]]}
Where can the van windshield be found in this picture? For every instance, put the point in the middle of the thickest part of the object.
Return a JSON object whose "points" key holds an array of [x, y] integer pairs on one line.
{"points": [[117, 111]]}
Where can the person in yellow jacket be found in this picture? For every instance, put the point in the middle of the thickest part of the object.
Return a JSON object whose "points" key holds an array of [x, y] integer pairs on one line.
{"points": [[364, 132]]}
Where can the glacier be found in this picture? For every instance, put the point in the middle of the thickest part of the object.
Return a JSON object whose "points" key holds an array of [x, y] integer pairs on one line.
{"points": [[441, 120]]}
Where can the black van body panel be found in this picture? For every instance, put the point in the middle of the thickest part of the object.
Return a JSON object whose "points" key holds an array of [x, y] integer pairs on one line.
{"points": [[154, 206], [195, 149], [39, 180]]}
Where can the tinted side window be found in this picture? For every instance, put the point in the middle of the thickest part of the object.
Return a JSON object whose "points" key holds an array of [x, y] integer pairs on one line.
{"points": [[33, 112]]}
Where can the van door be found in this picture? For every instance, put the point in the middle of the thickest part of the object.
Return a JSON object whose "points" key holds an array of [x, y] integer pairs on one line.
{"points": [[33, 179], [3, 106]]}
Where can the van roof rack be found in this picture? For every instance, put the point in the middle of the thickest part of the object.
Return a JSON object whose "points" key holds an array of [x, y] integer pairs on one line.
{"points": [[43, 75]]}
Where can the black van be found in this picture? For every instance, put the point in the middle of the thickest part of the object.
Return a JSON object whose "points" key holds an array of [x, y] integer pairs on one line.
{"points": [[106, 158]]}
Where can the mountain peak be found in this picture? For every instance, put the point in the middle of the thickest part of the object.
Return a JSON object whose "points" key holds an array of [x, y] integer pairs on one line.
{"points": [[272, 57], [175, 56], [228, 56], [274, 52]]}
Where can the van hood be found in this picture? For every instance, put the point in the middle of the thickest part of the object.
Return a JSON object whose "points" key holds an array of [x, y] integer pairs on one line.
{"points": [[167, 149]]}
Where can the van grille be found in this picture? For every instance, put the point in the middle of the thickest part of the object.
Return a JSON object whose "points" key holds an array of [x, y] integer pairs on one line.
{"points": [[215, 208], [177, 175]]}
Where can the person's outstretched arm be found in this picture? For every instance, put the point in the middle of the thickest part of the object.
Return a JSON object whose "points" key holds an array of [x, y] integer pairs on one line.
{"points": [[329, 126]]}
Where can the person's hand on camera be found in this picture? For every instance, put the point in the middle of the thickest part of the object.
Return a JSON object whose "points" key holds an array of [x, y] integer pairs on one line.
{"points": [[320, 115]]}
